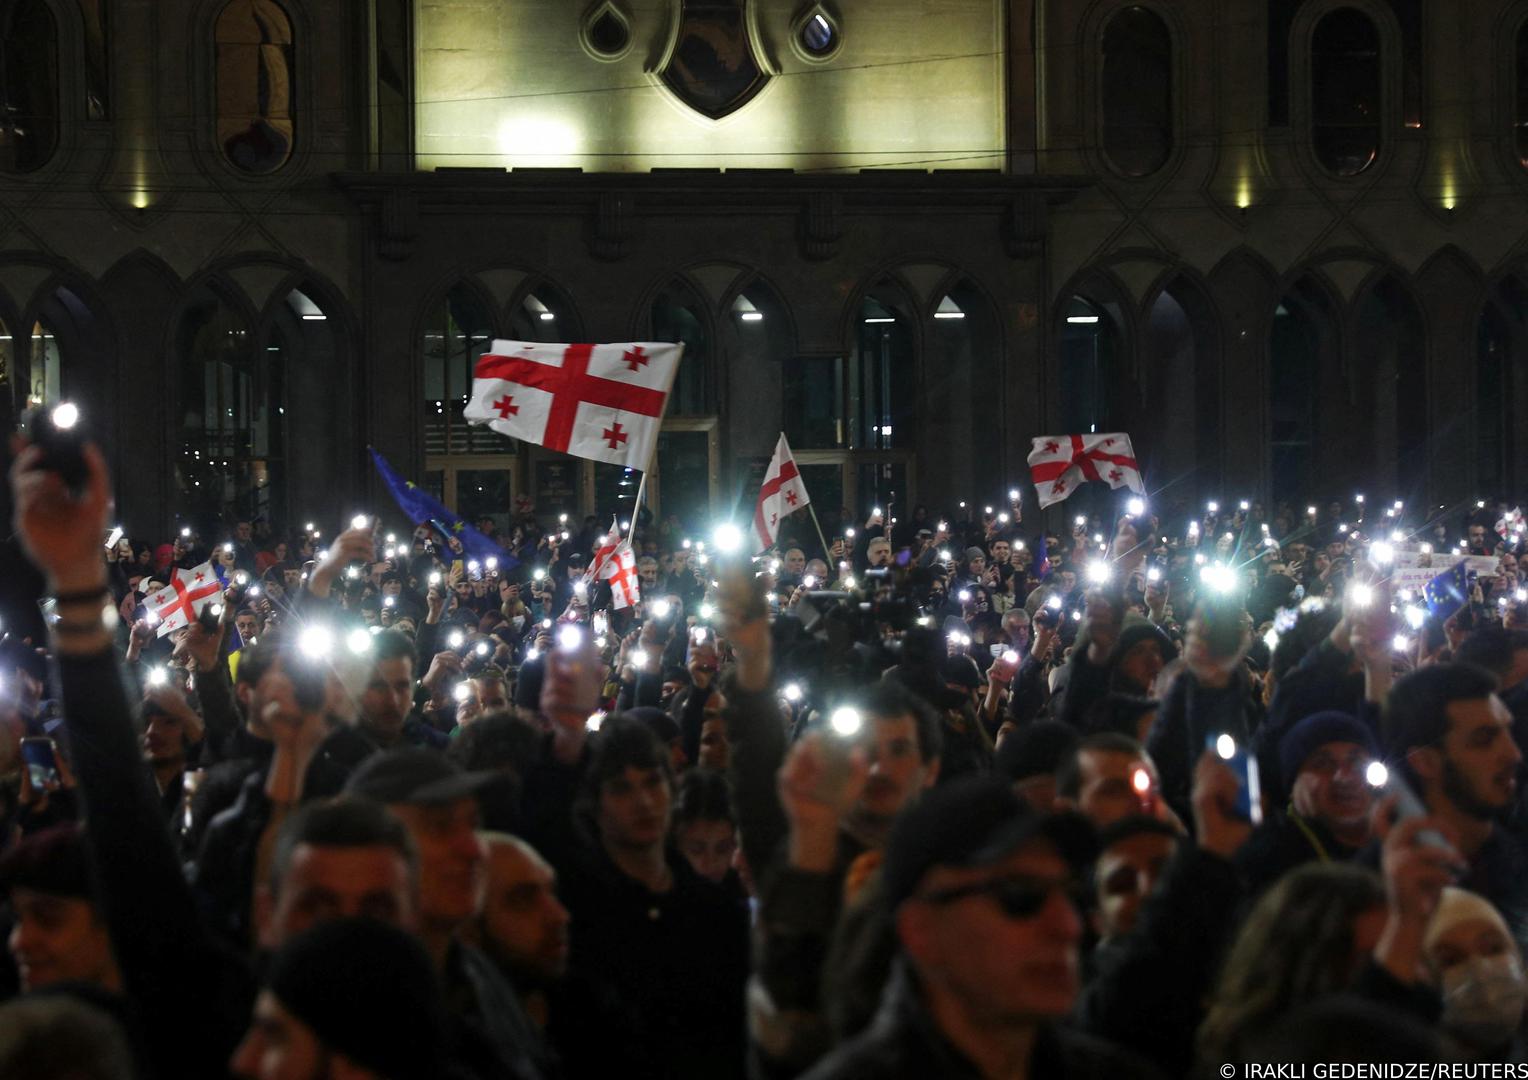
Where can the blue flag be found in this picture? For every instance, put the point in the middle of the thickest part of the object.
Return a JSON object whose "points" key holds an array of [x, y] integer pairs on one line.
{"points": [[418, 506], [1448, 592]]}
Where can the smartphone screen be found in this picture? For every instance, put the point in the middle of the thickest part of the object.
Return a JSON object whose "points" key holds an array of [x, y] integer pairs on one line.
{"points": [[41, 762]]}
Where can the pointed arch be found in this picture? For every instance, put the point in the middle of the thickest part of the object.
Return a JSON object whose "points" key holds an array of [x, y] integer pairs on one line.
{"points": [[1389, 354], [542, 310], [1183, 360], [1304, 346]]}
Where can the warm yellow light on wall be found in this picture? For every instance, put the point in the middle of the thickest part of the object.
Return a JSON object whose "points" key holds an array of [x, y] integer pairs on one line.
{"points": [[1450, 195], [141, 199], [1244, 194], [538, 140]]}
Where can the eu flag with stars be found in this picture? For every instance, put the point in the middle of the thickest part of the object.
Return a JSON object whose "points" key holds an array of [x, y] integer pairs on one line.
{"points": [[1449, 591], [419, 506]]}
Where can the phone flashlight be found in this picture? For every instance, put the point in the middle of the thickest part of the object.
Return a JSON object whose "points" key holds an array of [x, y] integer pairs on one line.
{"points": [[456, 639], [791, 692], [638, 658], [359, 522], [846, 720], [461, 692]]}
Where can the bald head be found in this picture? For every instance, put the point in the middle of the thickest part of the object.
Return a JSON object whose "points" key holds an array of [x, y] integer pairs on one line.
{"points": [[524, 926]]}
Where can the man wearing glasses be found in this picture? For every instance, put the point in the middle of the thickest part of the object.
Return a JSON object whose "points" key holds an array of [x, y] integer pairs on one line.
{"points": [[981, 891]]}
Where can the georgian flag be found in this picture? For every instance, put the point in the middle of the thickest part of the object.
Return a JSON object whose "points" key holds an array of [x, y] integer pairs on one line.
{"points": [[603, 402], [180, 602], [1060, 464], [783, 493], [607, 547], [621, 571]]}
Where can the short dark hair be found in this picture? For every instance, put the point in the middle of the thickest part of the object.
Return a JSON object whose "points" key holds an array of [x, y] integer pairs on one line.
{"points": [[887, 699], [1492, 648], [704, 795], [393, 645], [345, 823], [1134, 825], [1069, 776], [624, 743], [1416, 711], [496, 740]]}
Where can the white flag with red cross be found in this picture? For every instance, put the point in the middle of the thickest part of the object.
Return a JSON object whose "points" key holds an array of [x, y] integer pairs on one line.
{"points": [[603, 402], [607, 547], [182, 600], [1060, 464], [783, 493], [621, 571]]}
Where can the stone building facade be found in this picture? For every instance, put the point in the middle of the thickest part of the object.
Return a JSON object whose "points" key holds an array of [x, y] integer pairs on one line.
{"points": [[1278, 241]]}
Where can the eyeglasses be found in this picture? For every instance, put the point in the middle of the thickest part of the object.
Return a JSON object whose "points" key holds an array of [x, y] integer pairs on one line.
{"points": [[1019, 897]]}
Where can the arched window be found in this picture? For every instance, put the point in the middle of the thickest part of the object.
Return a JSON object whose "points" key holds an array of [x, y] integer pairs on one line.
{"points": [[1493, 392], [1089, 346], [232, 413], [256, 87], [458, 333], [544, 315], [28, 85], [1300, 339], [1520, 118], [1137, 96], [45, 385], [1390, 326], [1345, 93], [882, 381], [678, 316]]}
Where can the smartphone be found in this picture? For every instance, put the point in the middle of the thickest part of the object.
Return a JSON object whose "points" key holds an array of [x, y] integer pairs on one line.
{"points": [[1235, 753], [41, 758]]}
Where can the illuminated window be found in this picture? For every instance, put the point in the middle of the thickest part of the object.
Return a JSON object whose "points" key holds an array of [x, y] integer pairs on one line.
{"points": [[1137, 92], [45, 386], [28, 85], [231, 458], [1345, 92], [458, 332], [255, 85]]}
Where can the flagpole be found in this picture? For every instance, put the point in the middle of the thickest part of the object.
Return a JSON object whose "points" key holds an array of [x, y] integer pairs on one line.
{"points": [[827, 552]]}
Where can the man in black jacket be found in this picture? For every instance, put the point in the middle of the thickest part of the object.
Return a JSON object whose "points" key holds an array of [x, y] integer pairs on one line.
{"points": [[979, 889]]}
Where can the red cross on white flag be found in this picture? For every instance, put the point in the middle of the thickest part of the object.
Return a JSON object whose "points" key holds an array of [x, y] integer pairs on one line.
{"points": [[602, 553], [621, 570], [183, 599], [603, 402], [782, 493], [1059, 464]]}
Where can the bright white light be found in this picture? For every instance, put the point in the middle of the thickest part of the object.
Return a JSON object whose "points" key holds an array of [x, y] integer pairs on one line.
{"points": [[1153, 575], [1311, 510], [461, 692], [580, 588], [481, 648], [752, 316], [1217, 577], [1245, 505], [792, 692], [1003, 517], [964, 596], [1013, 496], [1359, 499], [1382, 553], [359, 522], [1397, 536], [1416, 617], [708, 609], [158, 676], [66, 415], [849, 583], [1271, 639], [1099, 572], [1135, 507], [316, 641], [1377, 775], [1213, 507], [1054, 603], [492, 563], [456, 639], [1225, 746], [1360, 595], [569, 637], [639, 658], [358, 641], [1426, 549], [1082, 320], [728, 538], [1010, 657], [185, 531], [660, 609], [1401, 643], [846, 720]]}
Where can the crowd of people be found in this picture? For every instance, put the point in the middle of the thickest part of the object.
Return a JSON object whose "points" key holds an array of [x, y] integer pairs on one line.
{"points": [[933, 798]]}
